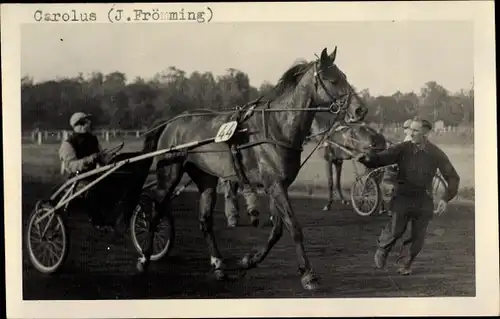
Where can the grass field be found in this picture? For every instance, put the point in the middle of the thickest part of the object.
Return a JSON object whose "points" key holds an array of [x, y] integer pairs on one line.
{"points": [[40, 162]]}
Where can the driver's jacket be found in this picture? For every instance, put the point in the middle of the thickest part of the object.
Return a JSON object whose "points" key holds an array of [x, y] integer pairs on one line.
{"points": [[78, 153]]}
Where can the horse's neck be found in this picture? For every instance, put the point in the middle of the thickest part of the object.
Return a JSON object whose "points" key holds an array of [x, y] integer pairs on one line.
{"points": [[294, 126]]}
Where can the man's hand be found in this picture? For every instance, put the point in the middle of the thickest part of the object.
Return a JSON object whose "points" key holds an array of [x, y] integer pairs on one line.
{"points": [[362, 158], [442, 205], [103, 157], [92, 158]]}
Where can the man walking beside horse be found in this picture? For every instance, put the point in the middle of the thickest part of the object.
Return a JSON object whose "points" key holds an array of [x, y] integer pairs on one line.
{"points": [[418, 161], [231, 206]]}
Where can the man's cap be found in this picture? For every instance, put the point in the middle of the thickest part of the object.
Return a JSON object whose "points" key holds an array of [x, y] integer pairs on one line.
{"points": [[78, 116], [425, 124]]}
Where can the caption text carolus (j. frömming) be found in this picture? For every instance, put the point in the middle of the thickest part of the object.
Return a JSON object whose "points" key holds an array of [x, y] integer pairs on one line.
{"points": [[115, 15]]}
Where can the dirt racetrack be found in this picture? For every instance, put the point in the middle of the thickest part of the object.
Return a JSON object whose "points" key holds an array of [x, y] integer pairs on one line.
{"points": [[340, 245]]}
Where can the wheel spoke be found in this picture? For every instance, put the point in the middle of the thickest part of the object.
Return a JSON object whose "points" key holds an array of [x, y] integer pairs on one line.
{"points": [[36, 235], [52, 252], [142, 235], [45, 254], [56, 245]]}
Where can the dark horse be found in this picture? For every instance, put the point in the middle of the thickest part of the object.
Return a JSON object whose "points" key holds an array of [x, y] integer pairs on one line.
{"points": [[270, 155], [356, 138]]}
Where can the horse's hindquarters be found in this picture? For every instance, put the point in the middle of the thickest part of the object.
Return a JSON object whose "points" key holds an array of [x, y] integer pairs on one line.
{"points": [[214, 158]]}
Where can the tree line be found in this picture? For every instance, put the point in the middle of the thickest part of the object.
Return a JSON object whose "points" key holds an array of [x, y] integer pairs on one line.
{"points": [[120, 104]]}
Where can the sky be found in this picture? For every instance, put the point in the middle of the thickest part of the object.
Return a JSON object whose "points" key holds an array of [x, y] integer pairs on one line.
{"points": [[382, 56]]}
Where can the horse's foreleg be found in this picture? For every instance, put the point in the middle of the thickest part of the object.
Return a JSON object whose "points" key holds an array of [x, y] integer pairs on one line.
{"points": [[338, 175], [329, 176], [253, 259], [279, 194]]}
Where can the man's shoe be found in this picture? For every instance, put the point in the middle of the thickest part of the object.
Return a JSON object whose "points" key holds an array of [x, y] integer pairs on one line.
{"points": [[254, 217], [232, 223], [404, 271], [380, 258]]}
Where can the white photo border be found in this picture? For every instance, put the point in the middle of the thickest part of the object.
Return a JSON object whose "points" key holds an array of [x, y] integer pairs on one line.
{"points": [[487, 297]]}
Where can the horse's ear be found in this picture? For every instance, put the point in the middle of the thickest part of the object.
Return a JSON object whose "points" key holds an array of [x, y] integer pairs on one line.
{"points": [[325, 61], [333, 55], [324, 57]]}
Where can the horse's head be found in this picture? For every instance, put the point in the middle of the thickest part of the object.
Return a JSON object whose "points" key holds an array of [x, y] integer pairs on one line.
{"points": [[333, 89], [365, 139]]}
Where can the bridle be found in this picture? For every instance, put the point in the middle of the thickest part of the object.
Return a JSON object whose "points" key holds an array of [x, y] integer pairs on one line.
{"points": [[350, 139], [337, 104]]}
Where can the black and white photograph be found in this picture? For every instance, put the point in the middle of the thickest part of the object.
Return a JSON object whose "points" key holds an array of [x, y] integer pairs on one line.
{"points": [[277, 159]]}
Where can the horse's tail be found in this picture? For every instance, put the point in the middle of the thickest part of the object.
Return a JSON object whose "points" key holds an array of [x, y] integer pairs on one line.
{"points": [[152, 136]]}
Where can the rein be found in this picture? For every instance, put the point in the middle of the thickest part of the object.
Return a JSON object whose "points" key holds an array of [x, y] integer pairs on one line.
{"points": [[335, 107], [321, 141], [317, 79], [231, 111]]}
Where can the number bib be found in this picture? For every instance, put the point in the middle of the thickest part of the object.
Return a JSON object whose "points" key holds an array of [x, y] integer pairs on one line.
{"points": [[226, 131]]}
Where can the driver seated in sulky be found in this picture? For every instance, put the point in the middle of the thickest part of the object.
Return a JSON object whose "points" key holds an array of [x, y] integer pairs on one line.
{"points": [[81, 151]]}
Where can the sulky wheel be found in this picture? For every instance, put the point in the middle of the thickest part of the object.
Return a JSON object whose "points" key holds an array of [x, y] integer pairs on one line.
{"points": [[365, 195], [439, 186], [47, 239], [139, 230]]}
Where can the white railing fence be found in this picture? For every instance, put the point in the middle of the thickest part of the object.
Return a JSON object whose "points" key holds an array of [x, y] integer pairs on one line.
{"points": [[50, 136]]}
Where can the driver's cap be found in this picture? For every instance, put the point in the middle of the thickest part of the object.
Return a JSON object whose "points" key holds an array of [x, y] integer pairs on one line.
{"points": [[78, 116]]}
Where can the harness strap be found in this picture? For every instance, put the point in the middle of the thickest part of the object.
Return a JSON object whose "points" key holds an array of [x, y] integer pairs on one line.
{"points": [[234, 150]]}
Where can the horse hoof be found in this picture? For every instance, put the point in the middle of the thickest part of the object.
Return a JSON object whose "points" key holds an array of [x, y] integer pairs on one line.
{"points": [[326, 208], [310, 281], [254, 221], [142, 264], [245, 261], [219, 274]]}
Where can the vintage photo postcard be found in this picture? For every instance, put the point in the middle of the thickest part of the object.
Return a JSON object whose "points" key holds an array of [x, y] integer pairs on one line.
{"points": [[190, 160]]}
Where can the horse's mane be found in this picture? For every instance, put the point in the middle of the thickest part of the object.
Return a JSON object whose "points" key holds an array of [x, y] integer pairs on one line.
{"points": [[292, 76]]}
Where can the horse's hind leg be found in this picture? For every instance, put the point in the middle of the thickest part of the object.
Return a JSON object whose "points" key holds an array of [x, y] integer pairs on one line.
{"points": [[329, 173], [207, 186], [338, 184], [168, 177]]}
